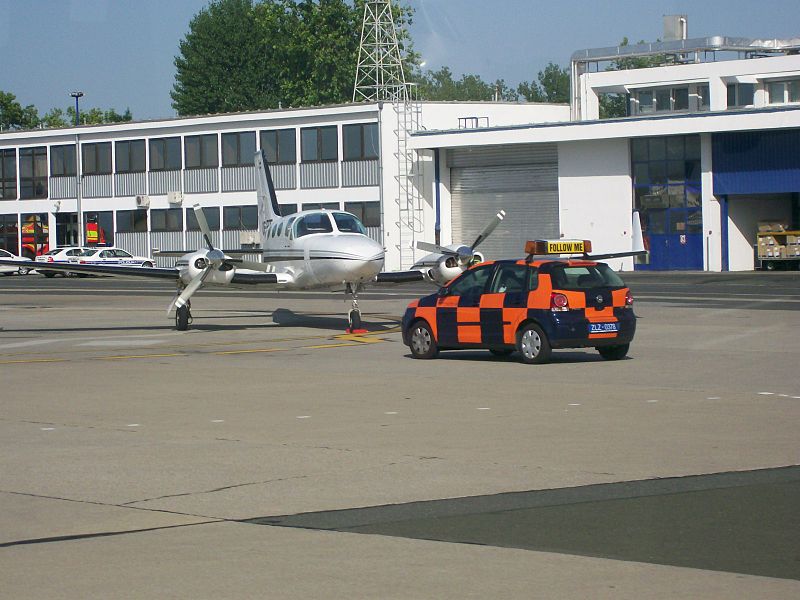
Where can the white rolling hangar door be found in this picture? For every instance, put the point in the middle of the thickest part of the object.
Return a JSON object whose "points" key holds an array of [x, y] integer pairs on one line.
{"points": [[522, 179]]}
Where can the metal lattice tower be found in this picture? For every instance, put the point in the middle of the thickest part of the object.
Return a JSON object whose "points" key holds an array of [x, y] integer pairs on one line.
{"points": [[380, 78], [379, 75]]}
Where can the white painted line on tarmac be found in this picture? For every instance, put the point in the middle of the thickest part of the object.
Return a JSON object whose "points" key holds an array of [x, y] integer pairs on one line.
{"points": [[391, 412], [48, 428], [133, 425], [483, 408], [766, 393], [713, 398], [652, 401], [217, 420], [303, 417], [573, 404]]}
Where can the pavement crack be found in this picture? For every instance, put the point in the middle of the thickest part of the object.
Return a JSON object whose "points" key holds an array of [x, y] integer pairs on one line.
{"points": [[214, 490]]}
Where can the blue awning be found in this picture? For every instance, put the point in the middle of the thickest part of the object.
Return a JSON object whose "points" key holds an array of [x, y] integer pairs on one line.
{"points": [[756, 162]]}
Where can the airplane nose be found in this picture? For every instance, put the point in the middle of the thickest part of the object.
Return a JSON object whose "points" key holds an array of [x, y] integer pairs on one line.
{"points": [[371, 255]]}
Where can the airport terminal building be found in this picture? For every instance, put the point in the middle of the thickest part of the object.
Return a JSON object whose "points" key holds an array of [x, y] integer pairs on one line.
{"points": [[708, 149]]}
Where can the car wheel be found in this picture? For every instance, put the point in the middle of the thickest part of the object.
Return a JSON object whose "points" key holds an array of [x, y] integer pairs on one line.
{"points": [[501, 351], [421, 341], [149, 265], [23, 270], [48, 274], [614, 352], [533, 345]]}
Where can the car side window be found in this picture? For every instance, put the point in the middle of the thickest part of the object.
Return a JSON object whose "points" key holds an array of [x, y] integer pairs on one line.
{"points": [[511, 278], [472, 282]]}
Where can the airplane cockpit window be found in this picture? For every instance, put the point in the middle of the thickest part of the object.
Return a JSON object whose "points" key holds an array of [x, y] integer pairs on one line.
{"points": [[313, 223], [347, 223], [280, 229]]}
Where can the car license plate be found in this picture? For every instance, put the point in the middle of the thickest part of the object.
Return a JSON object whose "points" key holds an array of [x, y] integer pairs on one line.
{"points": [[603, 327]]}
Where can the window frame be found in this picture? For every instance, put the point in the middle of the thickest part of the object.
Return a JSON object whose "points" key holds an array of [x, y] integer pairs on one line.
{"points": [[91, 165], [166, 151], [124, 150], [282, 146], [245, 212], [203, 151], [37, 156], [319, 146], [239, 159], [170, 224], [8, 181], [361, 128], [137, 223], [60, 165]]}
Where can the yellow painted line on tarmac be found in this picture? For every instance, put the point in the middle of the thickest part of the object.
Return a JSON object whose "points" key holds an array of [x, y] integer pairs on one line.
{"points": [[126, 357], [251, 351], [32, 360], [359, 337], [330, 346]]}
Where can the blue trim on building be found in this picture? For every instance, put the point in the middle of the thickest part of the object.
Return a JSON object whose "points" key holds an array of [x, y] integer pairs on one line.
{"points": [[756, 162]]}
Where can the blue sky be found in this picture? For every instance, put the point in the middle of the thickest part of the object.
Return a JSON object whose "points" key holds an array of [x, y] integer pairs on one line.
{"points": [[120, 52]]}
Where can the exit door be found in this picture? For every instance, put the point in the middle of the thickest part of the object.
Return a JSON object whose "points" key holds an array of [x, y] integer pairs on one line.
{"points": [[66, 229]]}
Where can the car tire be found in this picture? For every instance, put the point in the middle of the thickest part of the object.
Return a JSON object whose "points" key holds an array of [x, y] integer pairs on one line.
{"points": [[614, 352], [501, 351], [23, 271], [421, 341], [533, 345], [148, 265], [48, 274]]}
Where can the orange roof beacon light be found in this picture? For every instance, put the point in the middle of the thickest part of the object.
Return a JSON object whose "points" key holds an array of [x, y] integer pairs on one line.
{"points": [[550, 247]]}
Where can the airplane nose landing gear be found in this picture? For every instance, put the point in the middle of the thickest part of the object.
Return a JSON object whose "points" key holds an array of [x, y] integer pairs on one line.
{"points": [[354, 316]]}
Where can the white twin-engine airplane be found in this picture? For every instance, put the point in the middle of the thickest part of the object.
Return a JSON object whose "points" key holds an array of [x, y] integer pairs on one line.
{"points": [[309, 250]]}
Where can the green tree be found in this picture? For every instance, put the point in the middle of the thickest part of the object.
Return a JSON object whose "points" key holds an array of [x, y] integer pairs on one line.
{"points": [[440, 85], [238, 55], [552, 85], [14, 116]]}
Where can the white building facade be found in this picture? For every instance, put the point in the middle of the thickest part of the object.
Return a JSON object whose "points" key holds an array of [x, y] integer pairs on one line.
{"points": [[138, 181]]}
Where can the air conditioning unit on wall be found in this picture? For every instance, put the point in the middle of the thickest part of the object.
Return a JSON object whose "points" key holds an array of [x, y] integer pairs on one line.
{"points": [[175, 198], [142, 201]]}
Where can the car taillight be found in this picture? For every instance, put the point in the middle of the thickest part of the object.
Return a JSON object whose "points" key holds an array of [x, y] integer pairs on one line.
{"points": [[558, 302], [628, 299]]}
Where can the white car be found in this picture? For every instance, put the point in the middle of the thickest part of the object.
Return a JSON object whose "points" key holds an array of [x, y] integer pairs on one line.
{"points": [[64, 254], [9, 270], [113, 256]]}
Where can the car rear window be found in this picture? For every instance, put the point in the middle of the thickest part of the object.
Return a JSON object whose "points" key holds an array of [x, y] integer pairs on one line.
{"points": [[585, 277]]}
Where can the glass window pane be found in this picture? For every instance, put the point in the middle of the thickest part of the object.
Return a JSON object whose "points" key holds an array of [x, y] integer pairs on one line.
{"points": [[645, 102], [173, 154], [641, 174], [776, 92], [731, 95], [676, 171], [231, 217], [681, 99], [123, 158], [747, 93], [693, 147], [308, 141], [192, 148], [694, 221], [703, 94], [247, 148], [639, 149], [656, 222], [658, 149], [693, 195], [677, 198], [269, 144], [137, 156], [371, 140], [209, 153], [692, 170], [230, 155], [663, 100], [658, 173], [250, 217], [287, 146], [328, 144], [104, 158], [675, 147], [794, 91], [352, 142], [212, 218], [156, 155]]}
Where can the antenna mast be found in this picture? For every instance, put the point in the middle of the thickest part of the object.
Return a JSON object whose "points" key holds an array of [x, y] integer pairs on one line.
{"points": [[379, 75]]}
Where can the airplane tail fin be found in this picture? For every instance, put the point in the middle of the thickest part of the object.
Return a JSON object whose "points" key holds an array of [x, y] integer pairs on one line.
{"points": [[268, 207]]}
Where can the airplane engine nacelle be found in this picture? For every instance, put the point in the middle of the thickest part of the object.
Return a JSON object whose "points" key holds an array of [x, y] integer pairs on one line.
{"points": [[191, 265], [447, 268]]}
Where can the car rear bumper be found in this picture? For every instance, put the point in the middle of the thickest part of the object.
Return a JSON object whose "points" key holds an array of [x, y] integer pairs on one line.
{"points": [[570, 329]]}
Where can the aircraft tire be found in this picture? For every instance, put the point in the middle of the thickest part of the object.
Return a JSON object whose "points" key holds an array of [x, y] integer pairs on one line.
{"points": [[182, 318]]}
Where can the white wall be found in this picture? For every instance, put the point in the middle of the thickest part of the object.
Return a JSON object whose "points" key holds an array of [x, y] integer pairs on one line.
{"points": [[446, 115], [594, 187], [744, 213]]}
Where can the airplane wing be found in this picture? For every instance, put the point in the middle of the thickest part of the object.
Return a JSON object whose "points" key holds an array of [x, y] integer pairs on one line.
{"points": [[111, 270]]}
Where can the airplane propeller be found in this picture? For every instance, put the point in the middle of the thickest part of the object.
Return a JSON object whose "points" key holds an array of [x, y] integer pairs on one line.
{"points": [[213, 260], [465, 254]]}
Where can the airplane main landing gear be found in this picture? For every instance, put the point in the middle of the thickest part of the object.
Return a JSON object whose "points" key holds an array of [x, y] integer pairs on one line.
{"points": [[183, 316], [354, 316]]}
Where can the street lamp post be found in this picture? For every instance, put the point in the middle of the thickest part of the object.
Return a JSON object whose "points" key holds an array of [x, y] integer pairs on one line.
{"points": [[77, 95]]}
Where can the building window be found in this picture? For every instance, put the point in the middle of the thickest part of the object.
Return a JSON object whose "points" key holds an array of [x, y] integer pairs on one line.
{"points": [[9, 228], [321, 206], [784, 92], [288, 209], [662, 100], [318, 144], [33, 172], [130, 157], [703, 98], [212, 218], [96, 158], [62, 161], [201, 151], [166, 219], [360, 141], [741, 94], [280, 146], [645, 101], [240, 217], [8, 174], [369, 213], [129, 221], [238, 149], [165, 154]]}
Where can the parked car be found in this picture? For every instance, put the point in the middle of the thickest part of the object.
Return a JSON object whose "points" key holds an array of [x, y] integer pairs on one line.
{"points": [[62, 254], [9, 270], [113, 256]]}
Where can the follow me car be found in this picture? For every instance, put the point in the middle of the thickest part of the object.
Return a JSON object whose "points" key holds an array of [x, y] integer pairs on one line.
{"points": [[531, 305]]}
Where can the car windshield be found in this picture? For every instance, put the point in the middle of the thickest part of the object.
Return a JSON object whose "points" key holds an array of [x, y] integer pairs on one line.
{"points": [[347, 223], [584, 277], [54, 251]]}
